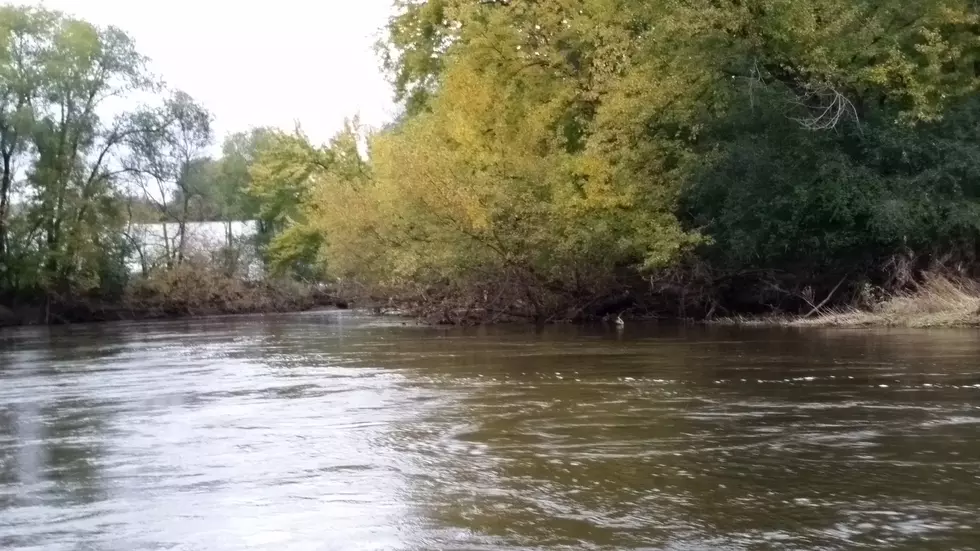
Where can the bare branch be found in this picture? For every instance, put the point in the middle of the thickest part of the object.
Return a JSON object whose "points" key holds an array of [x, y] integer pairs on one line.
{"points": [[827, 106]]}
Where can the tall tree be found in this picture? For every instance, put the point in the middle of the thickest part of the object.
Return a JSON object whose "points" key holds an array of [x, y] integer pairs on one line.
{"points": [[239, 152], [22, 34], [168, 158], [57, 73]]}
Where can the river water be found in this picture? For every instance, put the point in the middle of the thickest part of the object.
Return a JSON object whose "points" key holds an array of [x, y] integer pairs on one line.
{"points": [[337, 431]]}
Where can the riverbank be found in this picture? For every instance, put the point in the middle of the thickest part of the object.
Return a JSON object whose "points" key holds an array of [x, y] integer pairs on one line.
{"points": [[938, 301], [935, 301], [94, 311], [176, 294]]}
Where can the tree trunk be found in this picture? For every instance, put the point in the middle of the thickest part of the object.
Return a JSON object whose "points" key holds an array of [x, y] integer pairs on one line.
{"points": [[5, 183], [51, 263], [166, 246], [231, 255], [182, 227]]}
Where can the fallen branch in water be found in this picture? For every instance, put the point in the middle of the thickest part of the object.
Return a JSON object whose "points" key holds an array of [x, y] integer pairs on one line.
{"points": [[827, 299]]}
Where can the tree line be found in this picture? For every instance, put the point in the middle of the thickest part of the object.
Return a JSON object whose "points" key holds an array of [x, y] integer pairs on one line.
{"points": [[552, 160], [579, 158], [77, 176]]}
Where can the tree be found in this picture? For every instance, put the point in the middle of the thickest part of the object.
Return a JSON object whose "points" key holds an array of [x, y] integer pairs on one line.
{"points": [[415, 49], [520, 172], [56, 73], [546, 144], [22, 30], [167, 157], [281, 177], [232, 177]]}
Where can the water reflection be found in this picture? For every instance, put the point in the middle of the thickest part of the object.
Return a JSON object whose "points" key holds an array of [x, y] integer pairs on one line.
{"points": [[337, 431]]}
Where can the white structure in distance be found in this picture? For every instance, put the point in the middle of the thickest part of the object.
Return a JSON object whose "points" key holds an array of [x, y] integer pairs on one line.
{"points": [[209, 239]]}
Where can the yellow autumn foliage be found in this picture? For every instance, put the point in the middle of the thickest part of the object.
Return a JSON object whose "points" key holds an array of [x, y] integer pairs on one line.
{"points": [[485, 182], [546, 145]]}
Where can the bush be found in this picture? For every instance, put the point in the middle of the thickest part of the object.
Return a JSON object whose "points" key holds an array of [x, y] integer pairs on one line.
{"points": [[193, 289], [798, 208]]}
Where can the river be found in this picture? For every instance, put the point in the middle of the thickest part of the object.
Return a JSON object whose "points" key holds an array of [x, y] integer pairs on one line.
{"points": [[338, 431]]}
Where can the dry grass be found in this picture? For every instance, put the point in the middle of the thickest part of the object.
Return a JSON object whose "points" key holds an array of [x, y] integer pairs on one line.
{"points": [[200, 290], [938, 301]]}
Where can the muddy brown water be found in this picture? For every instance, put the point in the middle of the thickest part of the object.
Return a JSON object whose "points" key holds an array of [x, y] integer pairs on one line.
{"points": [[338, 431]]}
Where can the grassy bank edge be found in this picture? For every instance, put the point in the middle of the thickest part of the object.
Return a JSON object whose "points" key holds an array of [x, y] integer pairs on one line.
{"points": [[938, 301]]}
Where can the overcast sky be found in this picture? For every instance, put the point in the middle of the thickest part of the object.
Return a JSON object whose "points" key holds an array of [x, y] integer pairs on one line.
{"points": [[259, 63]]}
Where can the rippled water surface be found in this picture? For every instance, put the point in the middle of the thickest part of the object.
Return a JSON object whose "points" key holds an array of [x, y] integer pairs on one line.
{"points": [[329, 430]]}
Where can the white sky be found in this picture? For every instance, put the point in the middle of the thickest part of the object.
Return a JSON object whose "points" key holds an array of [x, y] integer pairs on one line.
{"points": [[260, 62]]}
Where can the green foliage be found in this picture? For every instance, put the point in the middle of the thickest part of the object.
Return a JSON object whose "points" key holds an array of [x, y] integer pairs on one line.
{"points": [[166, 155], [413, 53], [776, 196], [280, 178], [233, 179], [55, 73], [112, 271], [71, 179], [550, 155], [531, 160], [547, 144], [74, 186], [295, 252]]}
